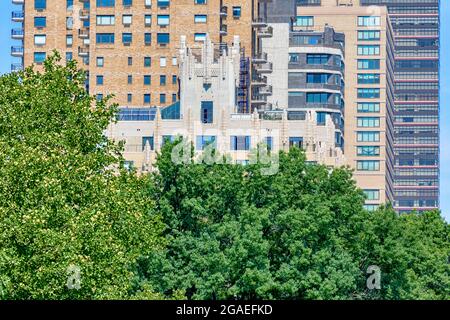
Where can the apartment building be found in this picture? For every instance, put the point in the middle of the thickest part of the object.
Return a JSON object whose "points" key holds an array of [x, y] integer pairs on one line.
{"points": [[129, 47], [208, 116], [416, 32], [336, 58]]}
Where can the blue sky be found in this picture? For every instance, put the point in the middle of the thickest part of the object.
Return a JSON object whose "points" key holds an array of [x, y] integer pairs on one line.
{"points": [[6, 7]]}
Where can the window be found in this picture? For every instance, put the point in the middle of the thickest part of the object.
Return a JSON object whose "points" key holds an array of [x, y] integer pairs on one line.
{"points": [[105, 38], [204, 141], [163, 38], [206, 112], [368, 165], [304, 21], [321, 118], [200, 1], [147, 141], [240, 143], [296, 142], [317, 58], [148, 20], [162, 98], [317, 77], [174, 79], [174, 61], [130, 79], [40, 4], [106, 3], [368, 50], [40, 22], [162, 80], [163, 3], [130, 61], [294, 57], [148, 39], [99, 96], [100, 62], [369, 21], [163, 20], [369, 35], [317, 97], [127, 38], [368, 78], [69, 23], [69, 40], [371, 207], [200, 18], [40, 39], [69, 5], [368, 151], [147, 62], [199, 37], [174, 97], [148, 3], [39, 57], [127, 19], [368, 136], [368, 107], [69, 56], [372, 194], [99, 80], [106, 20], [368, 64], [368, 122], [236, 12], [162, 61], [127, 3], [147, 98], [269, 143], [369, 93], [147, 80]]}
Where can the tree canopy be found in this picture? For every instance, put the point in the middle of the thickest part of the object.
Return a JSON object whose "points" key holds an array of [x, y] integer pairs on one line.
{"points": [[66, 208]]}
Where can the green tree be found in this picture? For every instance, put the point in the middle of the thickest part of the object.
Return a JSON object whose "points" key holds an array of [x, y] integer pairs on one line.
{"points": [[234, 233], [66, 202]]}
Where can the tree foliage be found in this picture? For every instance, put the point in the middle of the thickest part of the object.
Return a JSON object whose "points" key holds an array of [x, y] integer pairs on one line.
{"points": [[302, 233], [65, 203]]}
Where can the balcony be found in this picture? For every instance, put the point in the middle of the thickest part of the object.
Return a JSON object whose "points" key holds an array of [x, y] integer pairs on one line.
{"points": [[17, 51], [259, 100], [264, 67], [224, 11], [17, 34], [266, 32], [260, 58], [16, 67], [259, 23], [18, 1], [259, 81], [17, 16], [83, 33], [84, 14], [223, 30], [83, 52], [265, 91]]}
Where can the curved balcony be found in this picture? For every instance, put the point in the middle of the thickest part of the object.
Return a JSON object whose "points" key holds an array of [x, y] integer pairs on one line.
{"points": [[260, 58], [265, 91], [17, 51], [265, 32], [17, 16], [17, 34], [84, 14], [16, 67], [259, 23], [264, 68], [259, 81]]}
